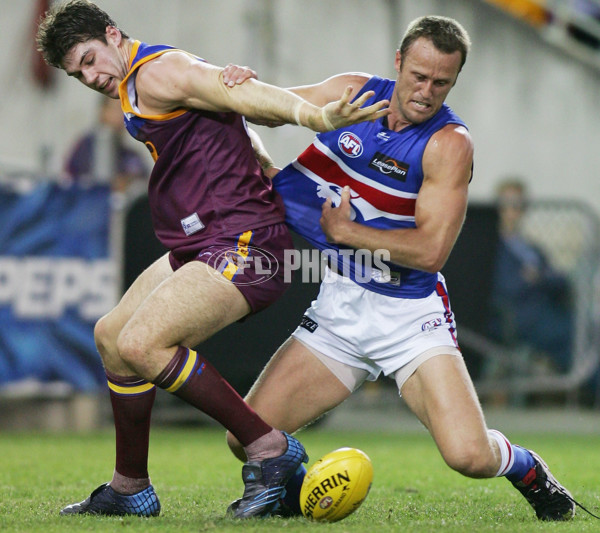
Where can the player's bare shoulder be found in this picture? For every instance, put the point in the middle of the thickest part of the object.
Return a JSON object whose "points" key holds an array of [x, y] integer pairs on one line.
{"points": [[159, 82], [451, 139], [449, 155], [167, 82], [165, 70]]}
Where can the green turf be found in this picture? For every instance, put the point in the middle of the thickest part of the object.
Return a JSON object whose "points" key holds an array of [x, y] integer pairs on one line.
{"points": [[196, 478]]}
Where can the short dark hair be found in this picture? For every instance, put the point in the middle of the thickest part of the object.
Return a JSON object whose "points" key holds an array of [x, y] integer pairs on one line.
{"points": [[446, 34], [68, 24]]}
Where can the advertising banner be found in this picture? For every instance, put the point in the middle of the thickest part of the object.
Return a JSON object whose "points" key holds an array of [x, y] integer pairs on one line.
{"points": [[56, 280]]}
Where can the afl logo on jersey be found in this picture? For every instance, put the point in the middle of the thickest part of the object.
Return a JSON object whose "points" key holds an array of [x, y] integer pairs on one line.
{"points": [[350, 144]]}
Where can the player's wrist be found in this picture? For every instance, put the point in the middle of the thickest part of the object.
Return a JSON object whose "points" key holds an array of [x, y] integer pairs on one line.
{"points": [[297, 111], [341, 232], [313, 117], [325, 117]]}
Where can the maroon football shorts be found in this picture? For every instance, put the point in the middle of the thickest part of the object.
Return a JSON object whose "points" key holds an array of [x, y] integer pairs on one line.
{"points": [[252, 260]]}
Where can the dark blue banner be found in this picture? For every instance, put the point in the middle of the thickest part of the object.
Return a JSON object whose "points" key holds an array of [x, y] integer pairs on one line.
{"points": [[56, 280]]}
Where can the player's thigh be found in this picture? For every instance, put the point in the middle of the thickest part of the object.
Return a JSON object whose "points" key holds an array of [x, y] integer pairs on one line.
{"points": [[187, 308], [441, 394], [110, 325], [295, 388]]}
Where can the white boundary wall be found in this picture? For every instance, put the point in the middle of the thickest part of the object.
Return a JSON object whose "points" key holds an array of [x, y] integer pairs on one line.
{"points": [[531, 108]]}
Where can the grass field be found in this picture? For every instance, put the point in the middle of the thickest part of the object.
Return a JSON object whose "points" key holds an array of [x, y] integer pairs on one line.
{"points": [[196, 478]]}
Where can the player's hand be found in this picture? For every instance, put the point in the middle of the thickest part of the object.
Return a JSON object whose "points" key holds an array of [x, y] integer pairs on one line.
{"points": [[235, 75], [335, 219], [344, 113]]}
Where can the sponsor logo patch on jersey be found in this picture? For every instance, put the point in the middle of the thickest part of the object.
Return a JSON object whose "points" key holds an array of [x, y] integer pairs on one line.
{"points": [[308, 324], [191, 224], [350, 144], [389, 166]]}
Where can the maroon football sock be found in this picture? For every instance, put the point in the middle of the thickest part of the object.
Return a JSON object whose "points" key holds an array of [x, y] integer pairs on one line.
{"points": [[132, 399], [193, 379]]}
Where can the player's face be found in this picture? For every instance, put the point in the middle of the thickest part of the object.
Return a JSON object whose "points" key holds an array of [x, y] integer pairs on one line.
{"points": [[97, 65], [425, 77]]}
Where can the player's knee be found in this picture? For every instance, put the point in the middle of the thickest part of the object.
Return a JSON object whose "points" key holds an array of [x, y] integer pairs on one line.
{"points": [[470, 461], [235, 446], [132, 351], [104, 338]]}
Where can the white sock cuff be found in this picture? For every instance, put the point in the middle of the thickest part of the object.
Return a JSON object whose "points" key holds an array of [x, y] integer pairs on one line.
{"points": [[506, 452]]}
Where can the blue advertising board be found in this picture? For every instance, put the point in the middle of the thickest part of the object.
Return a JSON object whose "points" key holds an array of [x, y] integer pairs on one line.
{"points": [[56, 280]]}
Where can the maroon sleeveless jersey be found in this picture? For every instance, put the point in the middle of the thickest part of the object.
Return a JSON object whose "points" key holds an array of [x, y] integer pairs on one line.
{"points": [[206, 181]]}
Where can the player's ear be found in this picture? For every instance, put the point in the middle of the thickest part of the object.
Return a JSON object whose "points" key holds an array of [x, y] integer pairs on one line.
{"points": [[113, 34], [398, 61]]}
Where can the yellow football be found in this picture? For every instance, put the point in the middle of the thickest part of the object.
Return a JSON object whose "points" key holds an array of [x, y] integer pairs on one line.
{"points": [[336, 485]]}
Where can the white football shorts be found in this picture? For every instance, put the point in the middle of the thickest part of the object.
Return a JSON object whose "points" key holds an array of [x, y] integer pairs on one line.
{"points": [[359, 333]]}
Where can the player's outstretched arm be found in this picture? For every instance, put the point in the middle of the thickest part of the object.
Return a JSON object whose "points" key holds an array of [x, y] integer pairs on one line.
{"points": [[323, 94], [177, 80]]}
